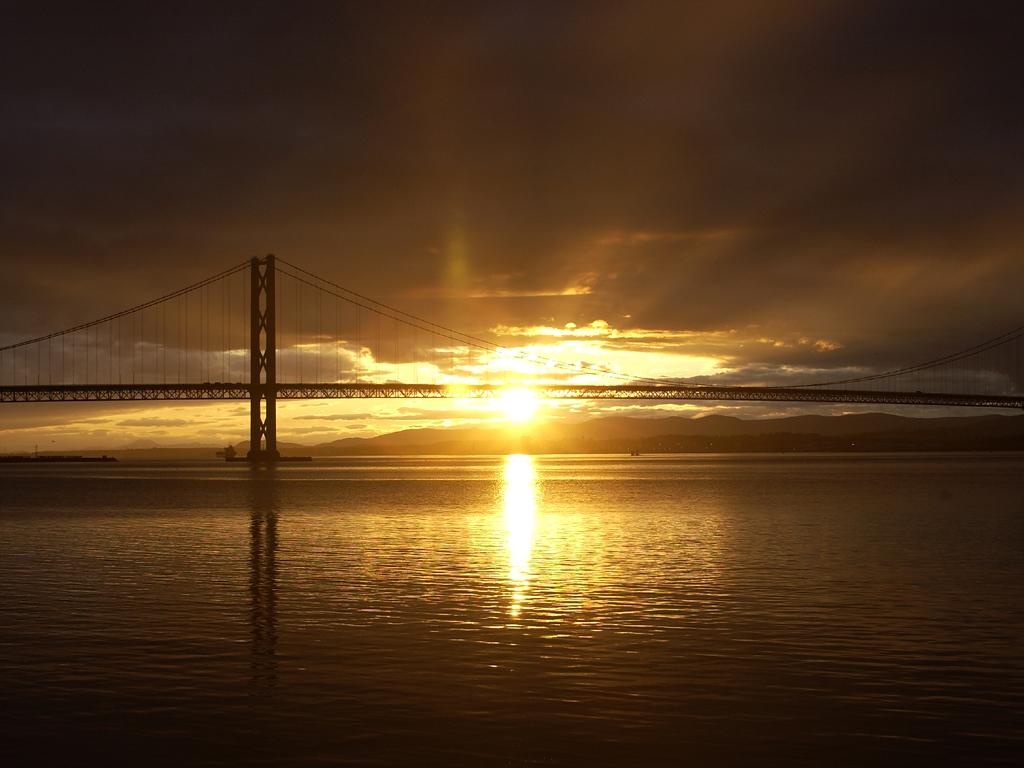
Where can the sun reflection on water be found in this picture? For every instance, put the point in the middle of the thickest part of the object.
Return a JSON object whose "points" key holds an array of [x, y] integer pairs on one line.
{"points": [[520, 500]]}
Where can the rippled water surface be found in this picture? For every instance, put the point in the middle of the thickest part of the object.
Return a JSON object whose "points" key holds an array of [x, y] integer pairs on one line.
{"points": [[515, 610]]}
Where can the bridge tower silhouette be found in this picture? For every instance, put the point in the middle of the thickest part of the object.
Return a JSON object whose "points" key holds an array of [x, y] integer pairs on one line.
{"points": [[263, 361]]}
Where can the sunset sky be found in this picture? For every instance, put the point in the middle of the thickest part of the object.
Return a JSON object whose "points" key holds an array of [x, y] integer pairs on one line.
{"points": [[677, 188]]}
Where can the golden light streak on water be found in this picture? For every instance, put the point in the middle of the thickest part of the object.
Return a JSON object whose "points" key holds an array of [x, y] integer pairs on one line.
{"points": [[519, 494]]}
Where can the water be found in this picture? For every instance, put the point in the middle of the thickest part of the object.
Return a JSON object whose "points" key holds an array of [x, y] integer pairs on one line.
{"points": [[515, 610]]}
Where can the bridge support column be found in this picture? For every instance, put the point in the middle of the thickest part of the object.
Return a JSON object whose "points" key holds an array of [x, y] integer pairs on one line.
{"points": [[263, 365]]}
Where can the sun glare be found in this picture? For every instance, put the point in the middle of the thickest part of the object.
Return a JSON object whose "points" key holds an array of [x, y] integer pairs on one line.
{"points": [[519, 404]]}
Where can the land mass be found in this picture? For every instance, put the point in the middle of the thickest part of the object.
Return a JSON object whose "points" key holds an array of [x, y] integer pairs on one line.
{"points": [[868, 432]]}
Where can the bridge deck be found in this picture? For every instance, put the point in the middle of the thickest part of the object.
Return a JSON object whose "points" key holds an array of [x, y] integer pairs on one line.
{"points": [[682, 392]]}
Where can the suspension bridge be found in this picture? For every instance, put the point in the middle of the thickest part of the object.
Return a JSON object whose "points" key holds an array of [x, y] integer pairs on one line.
{"points": [[268, 330]]}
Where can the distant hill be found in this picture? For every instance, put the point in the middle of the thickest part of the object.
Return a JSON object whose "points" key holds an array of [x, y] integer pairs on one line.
{"points": [[717, 426], [877, 431], [622, 434]]}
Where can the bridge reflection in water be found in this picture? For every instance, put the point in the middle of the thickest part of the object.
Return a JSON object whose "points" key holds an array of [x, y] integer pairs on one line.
{"points": [[263, 578], [519, 495]]}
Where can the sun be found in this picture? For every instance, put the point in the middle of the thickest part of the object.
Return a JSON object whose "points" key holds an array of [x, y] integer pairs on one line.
{"points": [[519, 404]]}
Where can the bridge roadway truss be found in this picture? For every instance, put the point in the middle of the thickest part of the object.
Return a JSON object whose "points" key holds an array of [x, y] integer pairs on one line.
{"points": [[680, 392]]}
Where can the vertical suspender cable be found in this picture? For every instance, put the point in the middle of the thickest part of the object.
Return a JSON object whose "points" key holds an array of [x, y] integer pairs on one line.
{"points": [[245, 324], [223, 371], [203, 330], [319, 350], [230, 369]]}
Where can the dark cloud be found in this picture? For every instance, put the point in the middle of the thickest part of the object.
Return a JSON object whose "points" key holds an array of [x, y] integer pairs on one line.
{"points": [[842, 171]]}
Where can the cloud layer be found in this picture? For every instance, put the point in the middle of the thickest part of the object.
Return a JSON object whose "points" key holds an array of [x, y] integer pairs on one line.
{"points": [[834, 185]]}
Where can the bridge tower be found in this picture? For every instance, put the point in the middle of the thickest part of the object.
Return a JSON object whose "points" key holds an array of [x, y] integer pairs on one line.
{"points": [[263, 365]]}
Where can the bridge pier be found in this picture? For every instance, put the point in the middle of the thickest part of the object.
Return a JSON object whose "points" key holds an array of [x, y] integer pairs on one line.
{"points": [[263, 364]]}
